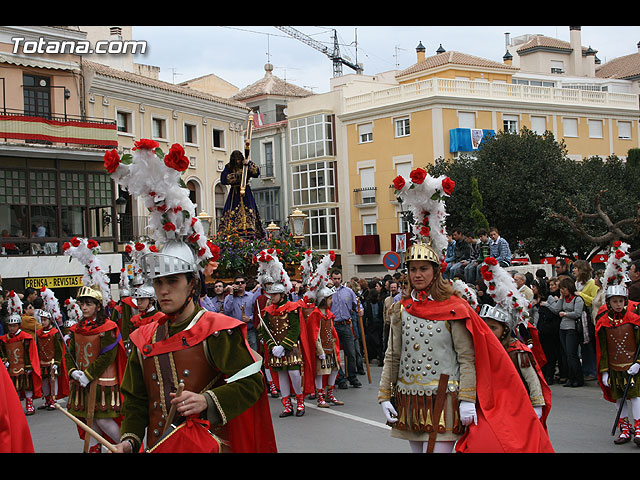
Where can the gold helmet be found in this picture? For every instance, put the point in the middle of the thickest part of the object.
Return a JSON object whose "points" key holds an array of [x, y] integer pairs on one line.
{"points": [[90, 292], [423, 250]]}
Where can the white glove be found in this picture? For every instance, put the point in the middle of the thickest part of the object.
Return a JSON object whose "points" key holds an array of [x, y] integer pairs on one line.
{"points": [[278, 351], [76, 374], [55, 369], [6, 364], [633, 369], [605, 378], [538, 411], [322, 356], [389, 412], [468, 413], [84, 380]]}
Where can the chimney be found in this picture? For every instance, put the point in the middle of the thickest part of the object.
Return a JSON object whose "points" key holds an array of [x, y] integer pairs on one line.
{"points": [[421, 53], [575, 42]]}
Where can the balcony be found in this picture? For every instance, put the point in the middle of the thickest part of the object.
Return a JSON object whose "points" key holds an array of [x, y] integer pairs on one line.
{"points": [[367, 244], [364, 197], [58, 129], [466, 89]]}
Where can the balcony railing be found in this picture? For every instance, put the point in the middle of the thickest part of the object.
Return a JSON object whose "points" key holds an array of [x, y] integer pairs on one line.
{"points": [[365, 197], [489, 91], [58, 129]]}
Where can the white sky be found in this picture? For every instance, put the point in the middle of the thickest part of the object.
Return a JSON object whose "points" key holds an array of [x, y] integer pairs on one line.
{"points": [[238, 53]]}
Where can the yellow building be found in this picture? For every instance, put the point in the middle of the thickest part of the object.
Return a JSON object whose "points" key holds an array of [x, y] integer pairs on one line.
{"points": [[440, 107]]}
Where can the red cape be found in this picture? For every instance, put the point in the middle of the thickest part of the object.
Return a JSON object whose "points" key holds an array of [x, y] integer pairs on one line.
{"points": [[546, 391], [505, 425], [313, 329], [63, 375], [252, 430], [15, 436], [308, 364], [138, 320], [33, 358], [602, 321], [536, 347]]}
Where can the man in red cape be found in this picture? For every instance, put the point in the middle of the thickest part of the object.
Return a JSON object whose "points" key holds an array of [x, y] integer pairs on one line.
{"points": [[504, 426], [61, 376], [15, 436]]}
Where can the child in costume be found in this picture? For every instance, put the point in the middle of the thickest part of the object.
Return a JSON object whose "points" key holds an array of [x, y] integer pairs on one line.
{"points": [[618, 338], [323, 335], [20, 356]]}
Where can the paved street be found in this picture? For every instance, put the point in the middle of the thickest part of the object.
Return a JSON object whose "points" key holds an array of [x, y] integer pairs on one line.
{"points": [[580, 422]]}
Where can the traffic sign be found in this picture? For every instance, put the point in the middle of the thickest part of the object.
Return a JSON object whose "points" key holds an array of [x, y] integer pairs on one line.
{"points": [[391, 260]]}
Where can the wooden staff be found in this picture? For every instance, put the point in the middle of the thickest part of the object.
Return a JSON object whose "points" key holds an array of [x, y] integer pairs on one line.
{"points": [[247, 149], [111, 447], [364, 342], [172, 411], [91, 407]]}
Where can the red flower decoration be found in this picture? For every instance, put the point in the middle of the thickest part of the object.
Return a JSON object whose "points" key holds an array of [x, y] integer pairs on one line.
{"points": [[153, 248], [139, 246], [128, 249], [490, 261], [418, 175], [448, 185], [619, 254], [443, 266], [92, 244], [66, 246], [146, 143], [75, 241], [617, 243], [176, 158], [425, 231], [168, 227], [111, 160], [398, 183]]}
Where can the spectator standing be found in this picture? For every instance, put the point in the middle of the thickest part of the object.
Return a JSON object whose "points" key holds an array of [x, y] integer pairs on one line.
{"points": [[634, 286], [344, 301], [499, 247], [562, 268], [520, 280], [239, 305], [373, 323], [549, 331]]}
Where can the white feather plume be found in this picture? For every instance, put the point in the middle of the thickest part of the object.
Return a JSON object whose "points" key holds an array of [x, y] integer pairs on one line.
{"points": [[86, 252], [319, 278], [307, 267], [74, 312], [467, 293], [618, 263], [426, 201], [51, 303], [270, 265], [14, 305]]}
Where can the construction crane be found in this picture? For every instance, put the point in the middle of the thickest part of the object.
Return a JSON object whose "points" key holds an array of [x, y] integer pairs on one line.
{"points": [[334, 54]]}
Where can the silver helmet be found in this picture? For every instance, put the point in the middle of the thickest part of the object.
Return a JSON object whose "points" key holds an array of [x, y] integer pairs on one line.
{"points": [[616, 290], [14, 318], [498, 314], [175, 257], [276, 287], [324, 292], [145, 291]]}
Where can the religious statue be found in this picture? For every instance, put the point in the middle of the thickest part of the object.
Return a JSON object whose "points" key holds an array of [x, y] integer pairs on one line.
{"points": [[240, 214]]}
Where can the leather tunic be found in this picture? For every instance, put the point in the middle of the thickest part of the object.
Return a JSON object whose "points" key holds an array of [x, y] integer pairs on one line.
{"points": [[621, 346]]}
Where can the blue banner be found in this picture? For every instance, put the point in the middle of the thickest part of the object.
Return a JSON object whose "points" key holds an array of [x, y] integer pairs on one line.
{"points": [[467, 139]]}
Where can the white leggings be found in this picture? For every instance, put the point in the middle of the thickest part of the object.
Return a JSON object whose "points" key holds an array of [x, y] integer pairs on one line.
{"points": [[439, 447], [296, 381], [331, 381], [46, 387], [635, 408], [105, 427]]}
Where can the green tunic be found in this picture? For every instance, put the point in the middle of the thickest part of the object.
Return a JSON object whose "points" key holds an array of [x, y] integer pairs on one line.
{"points": [[229, 354]]}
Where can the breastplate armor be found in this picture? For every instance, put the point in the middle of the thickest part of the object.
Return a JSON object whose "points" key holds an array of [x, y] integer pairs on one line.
{"points": [[46, 350], [326, 335], [427, 352], [15, 354], [279, 326], [621, 346], [163, 372], [87, 351]]}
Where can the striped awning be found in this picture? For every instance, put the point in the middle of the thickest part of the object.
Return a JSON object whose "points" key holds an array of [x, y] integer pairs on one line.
{"points": [[37, 62]]}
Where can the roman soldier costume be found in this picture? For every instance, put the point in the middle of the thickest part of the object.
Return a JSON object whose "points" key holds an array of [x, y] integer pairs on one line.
{"points": [[207, 353], [149, 314], [618, 334], [20, 356], [447, 383]]}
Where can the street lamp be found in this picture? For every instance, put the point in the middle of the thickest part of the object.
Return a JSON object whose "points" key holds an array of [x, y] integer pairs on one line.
{"points": [[297, 220], [273, 229]]}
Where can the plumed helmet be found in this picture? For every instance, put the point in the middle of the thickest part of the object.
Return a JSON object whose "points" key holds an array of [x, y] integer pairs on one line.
{"points": [[45, 314], [616, 291], [324, 293], [174, 257], [14, 318], [145, 291], [615, 273], [276, 287]]}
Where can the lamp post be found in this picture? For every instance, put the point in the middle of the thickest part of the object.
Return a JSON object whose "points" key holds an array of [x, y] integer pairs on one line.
{"points": [[206, 223], [297, 219], [273, 229]]}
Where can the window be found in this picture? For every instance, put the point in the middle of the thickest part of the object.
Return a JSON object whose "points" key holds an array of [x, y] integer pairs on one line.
{"points": [[466, 120], [124, 122], [557, 66], [218, 139], [281, 113], [268, 202], [321, 229], [570, 127], [37, 95], [312, 137], [313, 183], [365, 133], [404, 169], [402, 127], [190, 133], [510, 123], [266, 166], [595, 128], [369, 225], [159, 126], [624, 130], [368, 185], [538, 125]]}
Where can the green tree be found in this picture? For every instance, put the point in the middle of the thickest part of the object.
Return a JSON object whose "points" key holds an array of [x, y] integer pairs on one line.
{"points": [[477, 217]]}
